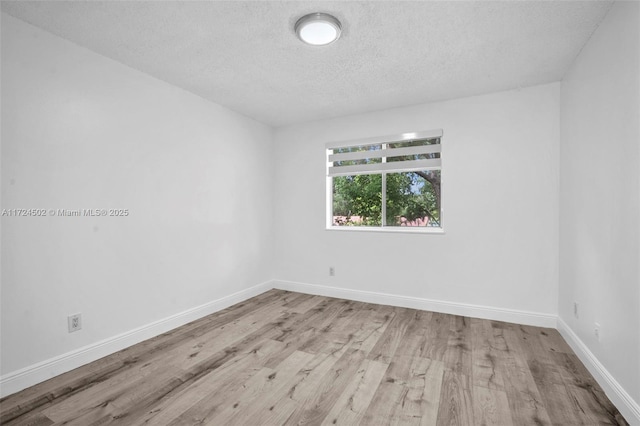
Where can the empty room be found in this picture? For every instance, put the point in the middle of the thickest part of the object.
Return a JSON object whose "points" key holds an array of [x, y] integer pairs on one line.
{"points": [[320, 212]]}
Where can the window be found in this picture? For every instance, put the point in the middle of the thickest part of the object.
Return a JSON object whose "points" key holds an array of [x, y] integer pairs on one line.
{"points": [[391, 182]]}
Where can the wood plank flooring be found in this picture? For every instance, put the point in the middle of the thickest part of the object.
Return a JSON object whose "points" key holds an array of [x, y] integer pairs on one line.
{"points": [[285, 358]]}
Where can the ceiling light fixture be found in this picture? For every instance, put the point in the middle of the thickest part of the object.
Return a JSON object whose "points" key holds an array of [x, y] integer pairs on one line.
{"points": [[318, 29]]}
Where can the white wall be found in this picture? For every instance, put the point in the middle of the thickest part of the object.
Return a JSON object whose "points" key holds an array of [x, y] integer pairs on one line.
{"points": [[82, 131], [500, 186], [600, 195]]}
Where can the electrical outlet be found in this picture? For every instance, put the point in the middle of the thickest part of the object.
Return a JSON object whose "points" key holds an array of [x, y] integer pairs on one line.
{"points": [[332, 271], [74, 322], [596, 331], [575, 310]]}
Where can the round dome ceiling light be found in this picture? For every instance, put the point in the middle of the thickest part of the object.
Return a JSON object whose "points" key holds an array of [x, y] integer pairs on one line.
{"points": [[318, 29]]}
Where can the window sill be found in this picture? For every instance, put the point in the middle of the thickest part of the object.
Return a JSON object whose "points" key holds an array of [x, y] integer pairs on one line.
{"points": [[388, 229]]}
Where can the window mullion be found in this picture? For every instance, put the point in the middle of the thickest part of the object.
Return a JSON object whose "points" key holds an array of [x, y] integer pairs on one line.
{"points": [[384, 190]]}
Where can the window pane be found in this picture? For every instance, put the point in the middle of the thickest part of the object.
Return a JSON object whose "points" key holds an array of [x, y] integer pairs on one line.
{"points": [[413, 198], [406, 144], [357, 200], [415, 142], [359, 148]]}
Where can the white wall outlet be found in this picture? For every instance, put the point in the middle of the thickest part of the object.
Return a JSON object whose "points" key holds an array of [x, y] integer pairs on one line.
{"points": [[332, 271], [74, 322], [575, 310], [596, 331]]}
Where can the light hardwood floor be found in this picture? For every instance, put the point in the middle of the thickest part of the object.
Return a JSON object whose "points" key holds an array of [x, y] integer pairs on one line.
{"points": [[291, 358]]}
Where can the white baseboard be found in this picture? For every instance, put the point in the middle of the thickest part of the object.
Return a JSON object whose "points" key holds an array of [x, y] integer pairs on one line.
{"points": [[31, 375], [464, 309], [629, 408]]}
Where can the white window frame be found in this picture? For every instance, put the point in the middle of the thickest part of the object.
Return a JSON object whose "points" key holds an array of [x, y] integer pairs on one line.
{"points": [[383, 140]]}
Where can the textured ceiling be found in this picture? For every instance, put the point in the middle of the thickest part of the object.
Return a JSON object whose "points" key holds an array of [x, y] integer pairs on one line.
{"points": [[245, 55]]}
